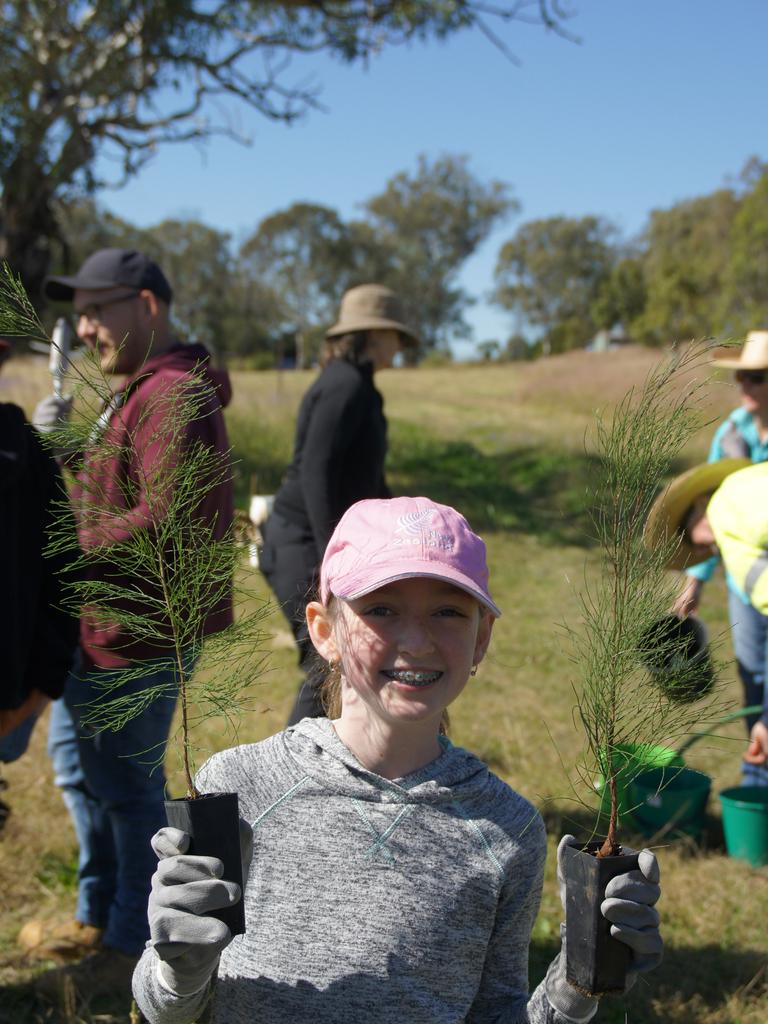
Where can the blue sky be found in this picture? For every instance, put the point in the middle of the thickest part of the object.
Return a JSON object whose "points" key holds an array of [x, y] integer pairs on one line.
{"points": [[660, 101]]}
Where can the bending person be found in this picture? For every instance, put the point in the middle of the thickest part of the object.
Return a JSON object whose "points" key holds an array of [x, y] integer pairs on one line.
{"points": [[721, 510], [744, 435], [338, 458]]}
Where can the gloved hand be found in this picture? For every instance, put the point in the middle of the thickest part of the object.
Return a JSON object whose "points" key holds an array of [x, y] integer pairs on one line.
{"points": [[51, 413], [629, 906], [184, 890]]}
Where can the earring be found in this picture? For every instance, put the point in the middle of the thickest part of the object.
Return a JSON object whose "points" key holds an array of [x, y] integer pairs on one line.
{"points": [[473, 671]]}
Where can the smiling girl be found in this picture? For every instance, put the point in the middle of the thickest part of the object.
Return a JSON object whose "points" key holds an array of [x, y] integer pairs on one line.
{"points": [[394, 878]]}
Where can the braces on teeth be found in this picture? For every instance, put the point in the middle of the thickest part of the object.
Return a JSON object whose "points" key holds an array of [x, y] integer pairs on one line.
{"points": [[415, 677]]}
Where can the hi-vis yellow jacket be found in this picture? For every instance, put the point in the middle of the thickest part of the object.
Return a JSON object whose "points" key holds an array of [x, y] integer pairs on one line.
{"points": [[738, 515]]}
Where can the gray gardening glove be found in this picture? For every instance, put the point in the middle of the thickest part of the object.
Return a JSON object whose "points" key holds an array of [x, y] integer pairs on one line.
{"points": [[628, 905], [184, 890], [51, 413]]}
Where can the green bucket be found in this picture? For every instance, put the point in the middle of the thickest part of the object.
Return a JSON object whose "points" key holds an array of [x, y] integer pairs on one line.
{"points": [[672, 798], [745, 823], [630, 759]]}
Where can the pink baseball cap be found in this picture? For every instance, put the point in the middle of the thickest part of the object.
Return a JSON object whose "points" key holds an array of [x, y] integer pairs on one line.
{"points": [[381, 540]]}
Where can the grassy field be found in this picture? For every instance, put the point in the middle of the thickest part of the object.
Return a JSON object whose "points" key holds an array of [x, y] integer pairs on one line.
{"points": [[510, 447]]}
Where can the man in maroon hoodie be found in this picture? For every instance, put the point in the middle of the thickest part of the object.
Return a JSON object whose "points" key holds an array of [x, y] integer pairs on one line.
{"points": [[113, 782]]}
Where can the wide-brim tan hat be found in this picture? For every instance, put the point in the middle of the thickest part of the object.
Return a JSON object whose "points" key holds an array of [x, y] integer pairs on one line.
{"points": [[670, 509], [753, 355], [370, 307]]}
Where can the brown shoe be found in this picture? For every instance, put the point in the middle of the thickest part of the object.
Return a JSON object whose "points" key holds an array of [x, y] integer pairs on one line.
{"points": [[68, 941], [107, 972]]}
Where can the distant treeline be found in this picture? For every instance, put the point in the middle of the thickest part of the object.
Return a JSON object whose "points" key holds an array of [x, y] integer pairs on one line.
{"points": [[699, 268], [268, 297]]}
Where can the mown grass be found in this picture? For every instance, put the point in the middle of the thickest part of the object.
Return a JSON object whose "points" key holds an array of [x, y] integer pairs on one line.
{"points": [[510, 447]]}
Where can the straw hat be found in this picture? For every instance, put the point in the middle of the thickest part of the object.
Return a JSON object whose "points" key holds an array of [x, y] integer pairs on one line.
{"points": [[669, 511], [371, 307], [752, 356]]}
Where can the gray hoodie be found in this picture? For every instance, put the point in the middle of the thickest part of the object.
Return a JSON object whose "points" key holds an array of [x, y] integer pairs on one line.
{"points": [[392, 902]]}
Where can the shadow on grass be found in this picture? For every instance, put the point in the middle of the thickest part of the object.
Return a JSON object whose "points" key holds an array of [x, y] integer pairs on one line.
{"points": [[694, 983], [545, 492], [260, 456], [691, 984], [530, 490], [20, 1003]]}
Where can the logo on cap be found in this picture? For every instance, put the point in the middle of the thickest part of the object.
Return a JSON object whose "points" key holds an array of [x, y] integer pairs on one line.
{"points": [[416, 528]]}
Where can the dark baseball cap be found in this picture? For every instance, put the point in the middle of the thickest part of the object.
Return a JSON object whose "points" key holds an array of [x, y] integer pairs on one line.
{"points": [[108, 268]]}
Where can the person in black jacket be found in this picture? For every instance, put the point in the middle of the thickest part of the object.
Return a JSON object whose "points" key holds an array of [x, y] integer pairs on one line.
{"points": [[338, 459], [38, 637]]}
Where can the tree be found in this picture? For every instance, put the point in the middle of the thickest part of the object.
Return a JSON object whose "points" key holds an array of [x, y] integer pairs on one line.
{"points": [[88, 226], [552, 272], [621, 296], [517, 348], [301, 254], [85, 80], [489, 350], [419, 232], [250, 321], [687, 251], [745, 281], [198, 262]]}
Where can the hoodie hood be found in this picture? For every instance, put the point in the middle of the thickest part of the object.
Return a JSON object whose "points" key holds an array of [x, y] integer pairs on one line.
{"points": [[318, 752], [183, 359]]}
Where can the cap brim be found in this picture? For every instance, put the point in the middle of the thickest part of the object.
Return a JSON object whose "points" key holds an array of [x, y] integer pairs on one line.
{"points": [[353, 587], [373, 324], [669, 510], [62, 289]]}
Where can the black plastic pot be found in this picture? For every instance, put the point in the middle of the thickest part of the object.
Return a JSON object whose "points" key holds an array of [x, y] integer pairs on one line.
{"points": [[596, 963], [676, 653], [213, 823]]}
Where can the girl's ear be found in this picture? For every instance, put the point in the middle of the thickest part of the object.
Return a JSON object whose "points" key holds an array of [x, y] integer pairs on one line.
{"points": [[483, 636], [320, 626]]}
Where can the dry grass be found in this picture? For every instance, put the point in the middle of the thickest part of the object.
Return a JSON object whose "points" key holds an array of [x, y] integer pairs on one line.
{"points": [[508, 431]]}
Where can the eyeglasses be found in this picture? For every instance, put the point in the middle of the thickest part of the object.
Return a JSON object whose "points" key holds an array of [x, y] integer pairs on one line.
{"points": [[92, 312], [750, 376]]}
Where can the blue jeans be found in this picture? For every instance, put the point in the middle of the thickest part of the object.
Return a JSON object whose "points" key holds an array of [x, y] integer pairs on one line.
{"points": [[749, 634], [113, 785], [16, 742]]}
